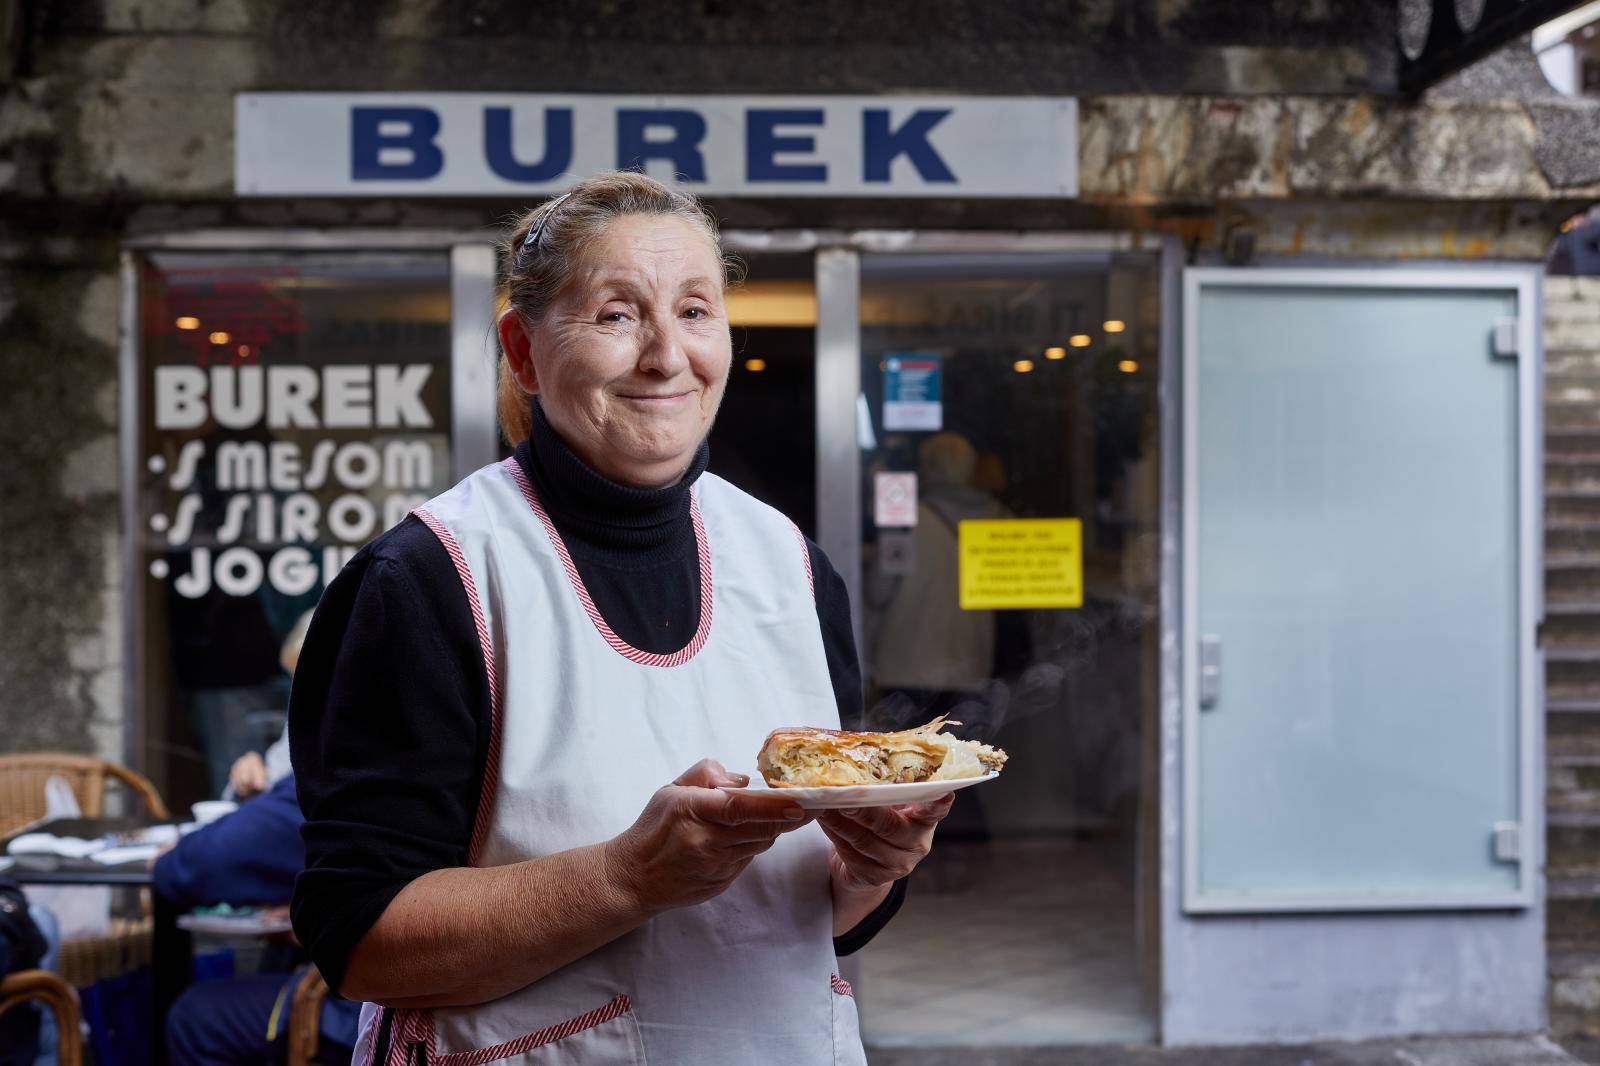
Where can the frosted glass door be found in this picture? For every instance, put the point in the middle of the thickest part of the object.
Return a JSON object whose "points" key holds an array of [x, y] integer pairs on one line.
{"points": [[1356, 629]]}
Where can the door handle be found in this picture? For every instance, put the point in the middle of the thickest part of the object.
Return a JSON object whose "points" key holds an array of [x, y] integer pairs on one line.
{"points": [[1210, 670]]}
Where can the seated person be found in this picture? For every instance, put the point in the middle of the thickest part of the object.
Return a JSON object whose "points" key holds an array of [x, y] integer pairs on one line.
{"points": [[22, 945], [249, 857]]}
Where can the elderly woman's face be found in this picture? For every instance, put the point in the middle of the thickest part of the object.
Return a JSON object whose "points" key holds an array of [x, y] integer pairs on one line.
{"points": [[631, 361]]}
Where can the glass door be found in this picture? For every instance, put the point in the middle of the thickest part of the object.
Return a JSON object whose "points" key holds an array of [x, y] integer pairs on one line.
{"points": [[1007, 432], [1359, 653]]}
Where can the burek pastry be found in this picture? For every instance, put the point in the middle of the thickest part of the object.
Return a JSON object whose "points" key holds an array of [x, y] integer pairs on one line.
{"points": [[811, 758]]}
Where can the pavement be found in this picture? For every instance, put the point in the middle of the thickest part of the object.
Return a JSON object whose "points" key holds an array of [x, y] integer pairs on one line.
{"points": [[1533, 1050]]}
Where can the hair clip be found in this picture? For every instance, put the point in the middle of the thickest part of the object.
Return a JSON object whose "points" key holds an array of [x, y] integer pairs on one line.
{"points": [[537, 230]]}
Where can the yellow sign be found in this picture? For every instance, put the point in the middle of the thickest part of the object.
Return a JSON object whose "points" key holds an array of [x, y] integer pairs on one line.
{"points": [[1020, 563]]}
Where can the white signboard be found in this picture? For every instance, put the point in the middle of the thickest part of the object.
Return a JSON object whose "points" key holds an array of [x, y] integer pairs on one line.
{"points": [[466, 144]]}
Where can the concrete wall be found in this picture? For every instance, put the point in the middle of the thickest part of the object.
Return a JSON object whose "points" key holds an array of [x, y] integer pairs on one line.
{"points": [[60, 626]]}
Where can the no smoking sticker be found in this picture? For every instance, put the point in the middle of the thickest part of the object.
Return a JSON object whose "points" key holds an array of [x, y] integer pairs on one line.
{"points": [[894, 499]]}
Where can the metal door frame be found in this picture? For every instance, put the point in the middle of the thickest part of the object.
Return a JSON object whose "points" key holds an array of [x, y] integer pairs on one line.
{"points": [[1523, 279]]}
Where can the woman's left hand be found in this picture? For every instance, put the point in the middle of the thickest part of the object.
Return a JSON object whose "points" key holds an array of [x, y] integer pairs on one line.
{"points": [[873, 846]]}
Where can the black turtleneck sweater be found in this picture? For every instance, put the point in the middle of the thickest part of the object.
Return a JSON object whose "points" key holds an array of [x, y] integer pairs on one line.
{"points": [[389, 716]]}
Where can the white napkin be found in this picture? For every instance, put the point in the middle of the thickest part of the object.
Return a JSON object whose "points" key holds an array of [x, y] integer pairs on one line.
{"points": [[49, 844]]}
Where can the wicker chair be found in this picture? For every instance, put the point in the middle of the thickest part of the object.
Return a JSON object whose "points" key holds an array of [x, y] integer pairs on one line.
{"points": [[305, 1012], [45, 987], [22, 779], [126, 944]]}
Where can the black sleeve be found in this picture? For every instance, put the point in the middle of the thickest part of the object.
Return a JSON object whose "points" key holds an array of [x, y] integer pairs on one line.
{"points": [[388, 727], [844, 667], [838, 637]]}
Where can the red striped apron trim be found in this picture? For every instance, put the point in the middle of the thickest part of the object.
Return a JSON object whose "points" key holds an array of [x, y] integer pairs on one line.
{"points": [[805, 553], [549, 1035], [370, 1041], [841, 986], [410, 1028], [398, 1047], [491, 767], [622, 647]]}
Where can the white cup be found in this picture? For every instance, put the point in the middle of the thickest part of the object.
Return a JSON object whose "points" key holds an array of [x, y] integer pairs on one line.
{"points": [[207, 811]]}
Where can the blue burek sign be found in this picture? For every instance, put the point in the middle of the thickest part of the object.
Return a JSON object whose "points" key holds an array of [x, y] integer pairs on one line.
{"points": [[466, 144]]}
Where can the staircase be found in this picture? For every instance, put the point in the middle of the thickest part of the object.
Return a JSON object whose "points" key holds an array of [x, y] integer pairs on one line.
{"points": [[1572, 652]]}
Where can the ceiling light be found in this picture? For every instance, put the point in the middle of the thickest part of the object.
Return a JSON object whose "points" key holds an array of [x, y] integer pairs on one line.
{"points": [[188, 322], [1022, 366], [1055, 353], [219, 337], [1127, 366], [755, 366], [1079, 340], [1115, 325]]}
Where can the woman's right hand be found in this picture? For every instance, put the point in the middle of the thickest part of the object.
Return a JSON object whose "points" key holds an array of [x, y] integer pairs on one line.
{"points": [[693, 840]]}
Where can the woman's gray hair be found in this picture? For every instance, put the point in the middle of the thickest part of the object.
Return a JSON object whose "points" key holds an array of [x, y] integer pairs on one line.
{"points": [[545, 247]]}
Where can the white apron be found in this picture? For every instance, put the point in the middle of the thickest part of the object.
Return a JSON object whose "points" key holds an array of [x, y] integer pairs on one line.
{"points": [[586, 729]]}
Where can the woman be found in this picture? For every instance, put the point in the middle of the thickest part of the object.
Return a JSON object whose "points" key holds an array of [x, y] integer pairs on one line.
{"points": [[511, 707]]}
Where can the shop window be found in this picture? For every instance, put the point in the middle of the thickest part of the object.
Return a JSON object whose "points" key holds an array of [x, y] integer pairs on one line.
{"points": [[289, 409]]}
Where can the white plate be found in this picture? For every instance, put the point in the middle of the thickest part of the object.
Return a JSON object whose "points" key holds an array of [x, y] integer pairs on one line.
{"points": [[834, 796]]}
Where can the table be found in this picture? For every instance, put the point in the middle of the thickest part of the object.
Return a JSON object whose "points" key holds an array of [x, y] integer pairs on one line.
{"points": [[171, 949]]}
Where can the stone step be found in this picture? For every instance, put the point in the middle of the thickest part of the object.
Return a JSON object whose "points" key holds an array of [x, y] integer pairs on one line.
{"points": [[1571, 508], [1523, 1049], [1573, 886], [1570, 602], [1575, 332], [1573, 962], [1574, 416], [1572, 917], [1572, 674], [1574, 748], [1569, 476], [1569, 360], [1567, 679], [1560, 441], [1572, 842], [1560, 415], [1570, 288], [1571, 389], [1563, 691], [1571, 801], [1572, 774], [1573, 657], [1572, 538], [1571, 625], [1559, 305], [1568, 559], [1580, 599], [1571, 733]]}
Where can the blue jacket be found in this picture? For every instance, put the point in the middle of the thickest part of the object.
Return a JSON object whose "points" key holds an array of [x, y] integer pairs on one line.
{"points": [[248, 857]]}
